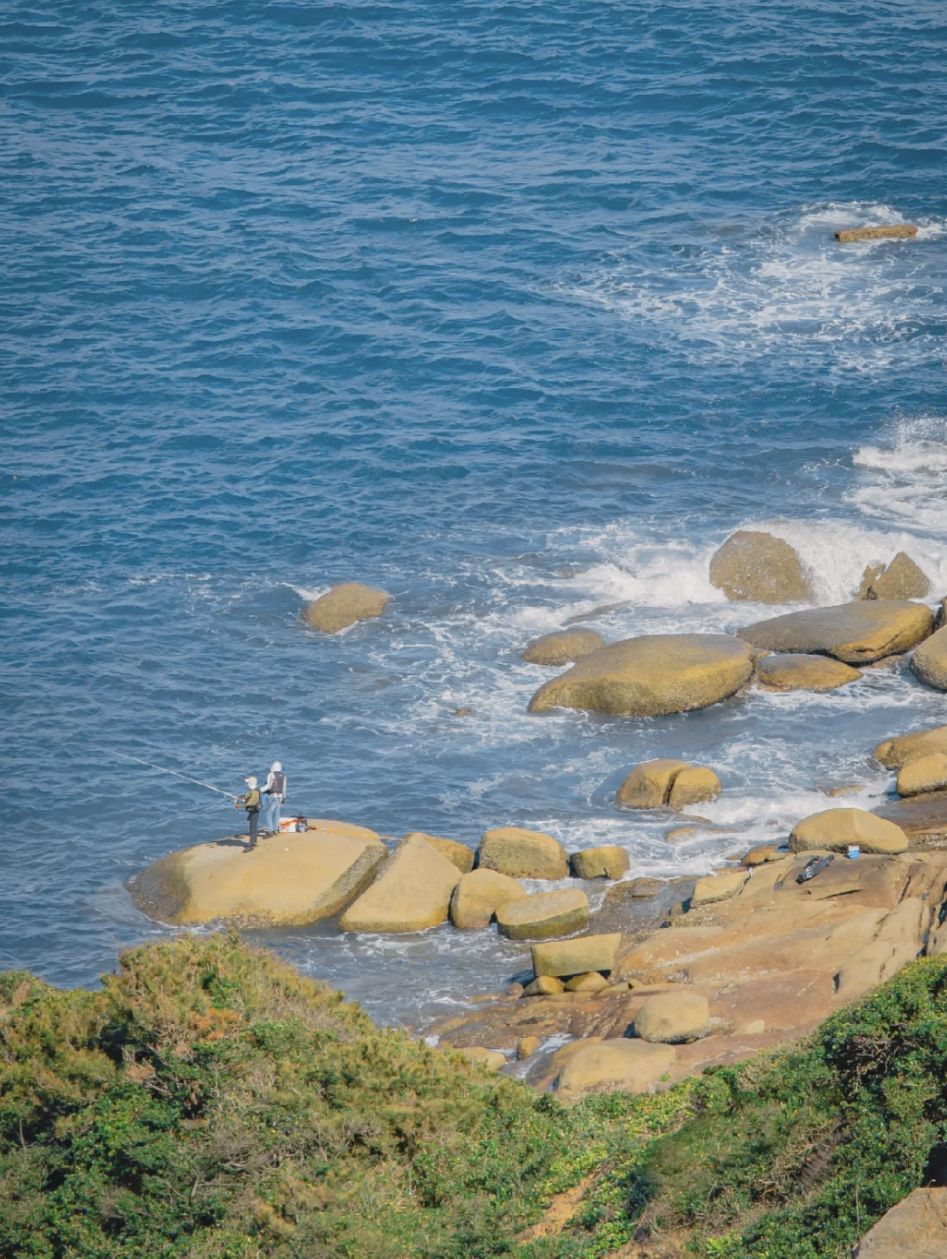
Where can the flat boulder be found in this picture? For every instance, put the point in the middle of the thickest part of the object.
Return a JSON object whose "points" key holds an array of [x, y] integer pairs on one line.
{"points": [[893, 753], [412, 893], [914, 1229], [667, 784], [478, 896], [289, 880], [544, 916], [673, 1018], [563, 646], [607, 862], [650, 676], [576, 957], [452, 849], [803, 673], [929, 662], [523, 854], [615, 1066], [927, 773], [755, 567], [343, 605], [902, 579], [857, 633], [835, 829]]}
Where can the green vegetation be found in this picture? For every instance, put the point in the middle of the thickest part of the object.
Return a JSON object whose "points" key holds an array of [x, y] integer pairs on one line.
{"points": [[210, 1102]]}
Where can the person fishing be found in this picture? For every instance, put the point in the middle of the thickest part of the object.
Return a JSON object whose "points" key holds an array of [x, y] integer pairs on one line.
{"points": [[275, 793], [250, 802]]}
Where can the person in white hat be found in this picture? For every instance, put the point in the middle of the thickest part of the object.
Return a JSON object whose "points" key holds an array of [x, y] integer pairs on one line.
{"points": [[251, 802], [274, 793]]}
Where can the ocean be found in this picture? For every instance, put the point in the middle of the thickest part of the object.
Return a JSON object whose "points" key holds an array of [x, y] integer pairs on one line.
{"points": [[513, 310]]}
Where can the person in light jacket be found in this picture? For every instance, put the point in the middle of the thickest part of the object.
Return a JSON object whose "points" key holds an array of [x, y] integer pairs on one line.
{"points": [[274, 793], [250, 802]]}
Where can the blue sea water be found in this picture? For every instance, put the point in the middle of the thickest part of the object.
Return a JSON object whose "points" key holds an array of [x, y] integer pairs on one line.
{"points": [[515, 310]]}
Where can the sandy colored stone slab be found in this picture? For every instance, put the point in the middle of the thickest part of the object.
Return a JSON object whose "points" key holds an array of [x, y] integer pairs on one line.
{"points": [[929, 662], [606, 862], [718, 887], [673, 1018], [914, 1229], [478, 896], [927, 773], [897, 231], [343, 605], [290, 879], [893, 753], [694, 785], [574, 957], [651, 675], [803, 673], [523, 854], [756, 567], [412, 893], [544, 916], [835, 829], [452, 849], [856, 633], [615, 1066], [563, 646]]}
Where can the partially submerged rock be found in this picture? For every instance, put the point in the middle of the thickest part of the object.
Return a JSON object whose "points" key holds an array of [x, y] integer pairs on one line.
{"points": [[575, 957], [523, 854], [343, 605], [927, 773], [755, 567], [803, 673], [452, 849], [857, 633], [412, 893], [478, 896], [902, 579], [563, 646], [544, 916], [835, 829], [929, 662], [893, 753], [651, 675], [894, 231], [289, 880], [694, 785], [606, 862], [914, 1229], [667, 783], [615, 1066], [673, 1018]]}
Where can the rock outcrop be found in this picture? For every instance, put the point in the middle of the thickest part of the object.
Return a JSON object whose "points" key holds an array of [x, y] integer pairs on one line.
{"points": [[478, 896], [607, 862], [927, 773], [651, 675], [667, 783], [929, 662], [523, 854], [857, 633], [718, 887], [290, 880], [615, 1066], [914, 1229], [412, 893], [452, 849], [755, 567], [343, 605], [576, 957], [902, 579], [673, 1018], [563, 646], [803, 673], [835, 829], [893, 753], [544, 916]]}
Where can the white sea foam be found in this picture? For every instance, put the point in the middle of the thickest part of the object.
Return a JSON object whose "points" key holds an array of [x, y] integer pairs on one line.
{"points": [[902, 479]]}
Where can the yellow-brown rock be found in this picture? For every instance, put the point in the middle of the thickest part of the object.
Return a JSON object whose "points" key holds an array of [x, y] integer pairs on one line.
{"points": [[412, 893], [606, 862], [649, 784], [803, 673], [673, 1018], [857, 633], [289, 880], [615, 1066], [896, 231], [835, 829], [902, 579], [718, 887], [544, 986], [523, 854], [651, 675], [490, 1059], [591, 981], [563, 646], [694, 785], [574, 957], [343, 605], [452, 849], [343, 828], [478, 896], [526, 1046], [762, 854], [914, 1229], [927, 773], [929, 662], [755, 567], [544, 916], [893, 753]]}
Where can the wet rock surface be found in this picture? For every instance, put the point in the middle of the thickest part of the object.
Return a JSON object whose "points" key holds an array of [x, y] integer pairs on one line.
{"points": [[856, 633]]}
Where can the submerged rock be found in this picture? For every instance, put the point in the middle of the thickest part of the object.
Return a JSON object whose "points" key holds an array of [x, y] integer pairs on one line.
{"points": [[523, 854], [755, 567], [893, 753], [615, 1066], [544, 916], [667, 783], [343, 605], [902, 579], [803, 673], [673, 1018], [857, 633], [563, 646], [929, 662], [606, 862], [412, 893], [651, 675], [835, 829], [478, 896]]}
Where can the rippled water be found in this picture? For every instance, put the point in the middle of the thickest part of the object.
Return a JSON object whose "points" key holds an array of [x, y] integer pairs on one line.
{"points": [[513, 310]]}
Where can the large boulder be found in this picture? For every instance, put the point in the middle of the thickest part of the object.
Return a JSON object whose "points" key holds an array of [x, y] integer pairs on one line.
{"points": [[755, 567], [894, 753], [927, 773], [914, 1229], [563, 646], [523, 854], [902, 579], [412, 893], [478, 896], [858, 633], [452, 849], [835, 829], [290, 880], [929, 662], [651, 675], [343, 605], [544, 916], [615, 1066], [803, 673], [694, 785], [576, 957], [607, 862], [667, 783], [673, 1018]]}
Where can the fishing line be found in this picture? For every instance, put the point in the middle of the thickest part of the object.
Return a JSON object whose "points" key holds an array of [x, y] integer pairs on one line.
{"points": [[164, 770]]}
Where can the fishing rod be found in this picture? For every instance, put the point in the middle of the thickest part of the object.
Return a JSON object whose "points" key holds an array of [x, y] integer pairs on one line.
{"points": [[164, 770]]}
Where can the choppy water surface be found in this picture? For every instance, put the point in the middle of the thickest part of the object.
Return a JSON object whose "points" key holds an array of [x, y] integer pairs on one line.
{"points": [[514, 310]]}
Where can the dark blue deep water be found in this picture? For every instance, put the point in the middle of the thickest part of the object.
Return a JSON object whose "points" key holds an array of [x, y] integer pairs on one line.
{"points": [[513, 309]]}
